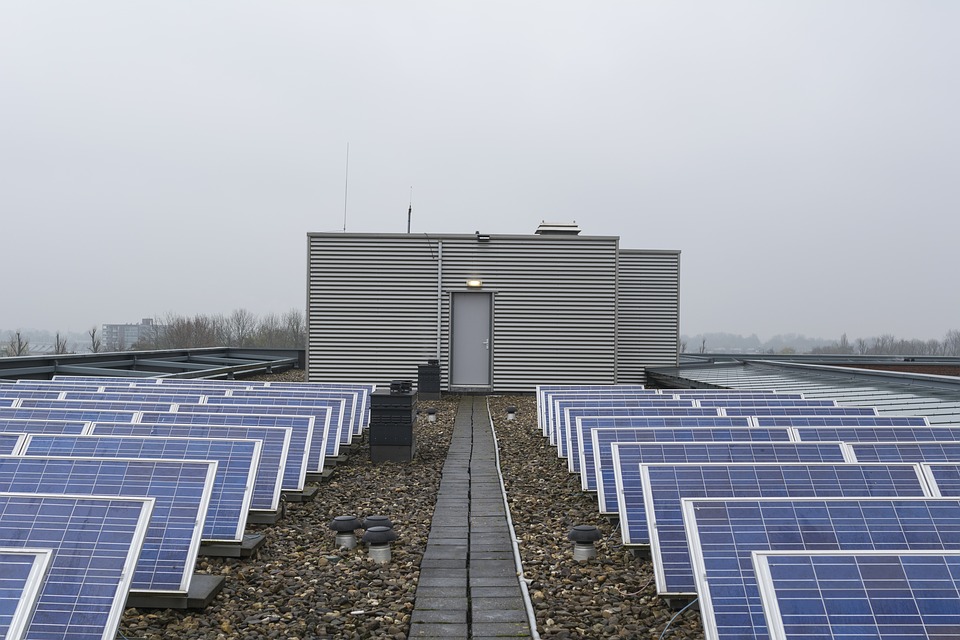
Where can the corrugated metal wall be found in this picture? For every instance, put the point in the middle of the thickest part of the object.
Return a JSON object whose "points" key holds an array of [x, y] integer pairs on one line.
{"points": [[373, 306], [649, 312], [554, 300]]}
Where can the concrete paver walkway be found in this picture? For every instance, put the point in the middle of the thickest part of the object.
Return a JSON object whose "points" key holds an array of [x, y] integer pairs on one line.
{"points": [[468, 585]]}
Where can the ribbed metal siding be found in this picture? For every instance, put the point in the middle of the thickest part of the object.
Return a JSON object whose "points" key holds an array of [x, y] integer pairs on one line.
{"points": [[554, 301], [649, 312], [371, 306]]}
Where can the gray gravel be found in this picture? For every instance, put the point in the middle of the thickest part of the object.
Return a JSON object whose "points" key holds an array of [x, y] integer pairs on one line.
{"points": [[300, 586]]}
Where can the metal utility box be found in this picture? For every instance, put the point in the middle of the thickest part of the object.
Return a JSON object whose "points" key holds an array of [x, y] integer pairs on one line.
{"points": [[393, 412], [428, 380]]}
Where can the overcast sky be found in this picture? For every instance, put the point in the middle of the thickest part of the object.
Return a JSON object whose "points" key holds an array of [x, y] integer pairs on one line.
{"points": [[171, 156]]}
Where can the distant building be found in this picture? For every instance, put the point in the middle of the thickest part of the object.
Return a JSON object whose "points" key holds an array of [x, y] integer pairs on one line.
{"points": [[498, 312], [121, 337]]}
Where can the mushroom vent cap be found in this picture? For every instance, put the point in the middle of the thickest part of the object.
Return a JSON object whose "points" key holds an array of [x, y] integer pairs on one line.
{"points": [[377, 521], [379, 535], [344, 523], [584, 533]]}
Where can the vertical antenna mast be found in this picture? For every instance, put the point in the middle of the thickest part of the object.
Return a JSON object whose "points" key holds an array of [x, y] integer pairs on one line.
{"points": [[410, 210], [346, 182]]}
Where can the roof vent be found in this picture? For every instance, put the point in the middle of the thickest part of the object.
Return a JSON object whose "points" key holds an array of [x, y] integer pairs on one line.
{"points": [[558, 228]]}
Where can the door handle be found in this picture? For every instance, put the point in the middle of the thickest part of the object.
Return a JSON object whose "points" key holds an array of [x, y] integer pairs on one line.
{"points": [[486, 343]]}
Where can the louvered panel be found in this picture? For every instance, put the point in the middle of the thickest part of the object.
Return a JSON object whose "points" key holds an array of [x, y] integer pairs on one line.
{"points": [[371, 307], [648, 313], [554, 306]]}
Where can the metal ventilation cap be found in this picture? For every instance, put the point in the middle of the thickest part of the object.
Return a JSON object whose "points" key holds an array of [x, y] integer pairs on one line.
{"points": [[558, 228], [344, 523], [377, 521]]}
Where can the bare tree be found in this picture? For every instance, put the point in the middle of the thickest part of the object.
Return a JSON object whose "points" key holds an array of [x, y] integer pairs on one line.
{"points": [[96, 344], [951, 343], [18, 345], [296, 329], [60, 345], [242, 323]]}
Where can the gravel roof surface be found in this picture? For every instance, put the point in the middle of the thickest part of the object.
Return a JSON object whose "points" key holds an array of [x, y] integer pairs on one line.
{"points": [[300, 586]]}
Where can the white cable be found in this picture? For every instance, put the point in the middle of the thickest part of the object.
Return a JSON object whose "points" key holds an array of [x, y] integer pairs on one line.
{"points": [[528, 603]]}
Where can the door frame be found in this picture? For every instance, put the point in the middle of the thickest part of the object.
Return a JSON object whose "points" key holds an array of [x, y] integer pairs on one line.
{"points": [[452, 386]]}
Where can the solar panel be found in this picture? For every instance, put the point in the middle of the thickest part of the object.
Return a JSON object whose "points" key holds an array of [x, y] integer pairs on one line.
{"points": [[603, 440], [324, 430], [12, 392], [94, 542], [363, 391], [21, 575], [943, 478], [13, 425], [763, 402], [665, 485], [352, 419], [878, 434], [182, 491], [558, 425], [7, 402], [724, 533], [545, 391], [583, 448], [301, 437], [95, 405], [862, 594], [945, 451], [572, 430], [798, 411], [10, 442], [68, 414], [841, 421], [271, 465], [134, 395], [226, 516], [550, 398]]}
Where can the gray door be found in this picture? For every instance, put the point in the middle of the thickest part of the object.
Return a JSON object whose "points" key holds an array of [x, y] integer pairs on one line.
{"points": [[471, 341]]}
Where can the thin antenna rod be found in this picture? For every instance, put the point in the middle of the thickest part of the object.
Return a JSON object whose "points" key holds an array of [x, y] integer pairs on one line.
{"points": [[346, 183], [410, 210]]}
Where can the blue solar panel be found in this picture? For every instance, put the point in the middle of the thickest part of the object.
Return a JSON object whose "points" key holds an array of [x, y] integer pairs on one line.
{"points": [[95, 543], [324, 429], [582, 448], [362, 410], [841, 421], [654, 404], [236, 469], [946, 451], [21, 576], [724, 533], [665, 485], [869, 594], [13, 425], [762, 402], [12, 392], [95, 405], [799, 411], [351, 398], [134, 395], [878, 434], [7, 402], [605, 476], [550, 411], [295, 471], [72, 415], [10, 442], [182, 490], [544, 393], [943, 478], [731, 393], [275, 442]]}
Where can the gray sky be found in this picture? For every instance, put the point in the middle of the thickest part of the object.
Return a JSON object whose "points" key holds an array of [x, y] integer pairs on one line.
{"points": [[171, 156]]}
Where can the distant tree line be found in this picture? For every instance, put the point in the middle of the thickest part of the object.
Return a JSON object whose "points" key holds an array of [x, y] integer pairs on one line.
{"points": [[241, 328], [890, 345]]}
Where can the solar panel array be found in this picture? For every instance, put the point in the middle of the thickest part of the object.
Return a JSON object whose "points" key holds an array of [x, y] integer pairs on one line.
{"points": [[678, 483], [151, 497]]}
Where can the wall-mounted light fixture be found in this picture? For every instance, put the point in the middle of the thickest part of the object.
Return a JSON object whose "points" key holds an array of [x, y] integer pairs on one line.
{"points": [[474, 284], [482, 237]]}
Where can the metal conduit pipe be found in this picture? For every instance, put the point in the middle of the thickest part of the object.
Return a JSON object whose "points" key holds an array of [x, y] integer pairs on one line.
{"points": [[527, 602]]}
